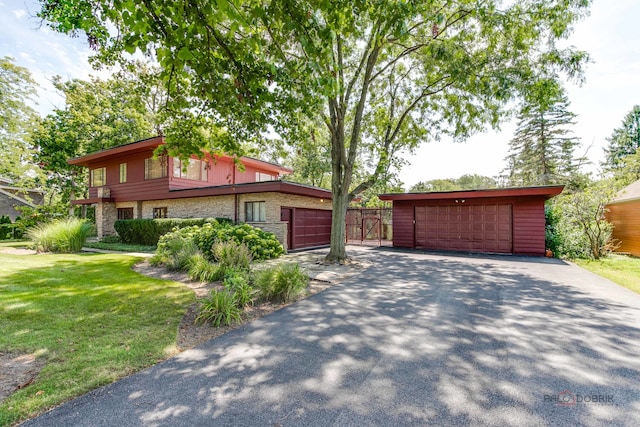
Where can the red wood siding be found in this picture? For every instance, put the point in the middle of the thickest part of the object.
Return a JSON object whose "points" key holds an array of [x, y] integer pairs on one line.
{"points": [[625, 218], [402, 224], [137, 188], [529, 226], [494, 224], [311, 227]]}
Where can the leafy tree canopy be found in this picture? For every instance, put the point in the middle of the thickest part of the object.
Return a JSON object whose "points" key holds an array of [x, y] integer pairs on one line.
{"points": [[465, 182], [17, 119], [383, 76]]}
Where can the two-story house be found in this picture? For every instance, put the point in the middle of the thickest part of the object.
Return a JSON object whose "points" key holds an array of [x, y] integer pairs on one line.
{"points": [[127, 182]]}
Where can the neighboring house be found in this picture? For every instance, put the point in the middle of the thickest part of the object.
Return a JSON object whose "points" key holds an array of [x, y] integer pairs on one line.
{"points": [[12, 197], [507, 220], [127, 182], [624, 214]]}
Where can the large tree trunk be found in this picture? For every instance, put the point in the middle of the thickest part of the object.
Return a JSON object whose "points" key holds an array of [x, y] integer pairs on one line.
{"points": [[337, 252]]}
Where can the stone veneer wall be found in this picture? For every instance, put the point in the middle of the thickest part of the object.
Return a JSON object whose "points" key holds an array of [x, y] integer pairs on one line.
{"points": [[106, 215], [200, 207], [213, 207]]}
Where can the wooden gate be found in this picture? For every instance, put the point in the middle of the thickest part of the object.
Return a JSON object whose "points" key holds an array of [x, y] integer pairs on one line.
{"points": [[369, 226]]}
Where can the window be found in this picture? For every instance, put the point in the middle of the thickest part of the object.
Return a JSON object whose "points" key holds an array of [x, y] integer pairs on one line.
{"points": [[196, 169], [160, 212], [254, 212], [123, 172], [98, 177], [125, 213], [264, 177], [155, 168]]}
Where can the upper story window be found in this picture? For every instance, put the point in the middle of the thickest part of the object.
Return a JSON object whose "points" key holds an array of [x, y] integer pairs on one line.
{"points": [[155, 168], [123, 172], [98, 177], [260, 176], [195, 169], [254, 212]]}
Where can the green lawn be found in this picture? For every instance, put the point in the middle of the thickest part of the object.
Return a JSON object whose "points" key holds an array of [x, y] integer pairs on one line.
{"points": [[623, 270], [90, 317], [122, 247]]}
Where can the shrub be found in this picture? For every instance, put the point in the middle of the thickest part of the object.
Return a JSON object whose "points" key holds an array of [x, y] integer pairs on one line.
{"points": [[232, 255], [262, 244], [201, 269], [6, 228], [581, 229], [237, 283], [281, 283], [148, 231], [219, 309], [66, 235]]}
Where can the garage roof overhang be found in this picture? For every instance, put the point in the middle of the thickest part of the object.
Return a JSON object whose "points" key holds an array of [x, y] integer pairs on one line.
{"points": [[544, 191]]}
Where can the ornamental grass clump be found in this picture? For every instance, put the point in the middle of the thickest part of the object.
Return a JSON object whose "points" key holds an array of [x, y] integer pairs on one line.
{"points": [[282, 283], [63, 236], [219, 309]]}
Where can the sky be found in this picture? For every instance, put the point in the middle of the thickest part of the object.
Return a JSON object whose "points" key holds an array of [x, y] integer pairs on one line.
{"points": [[610, 34]]}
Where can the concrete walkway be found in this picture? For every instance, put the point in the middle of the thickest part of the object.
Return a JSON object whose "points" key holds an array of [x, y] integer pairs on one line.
{"points": [[416, 339]]}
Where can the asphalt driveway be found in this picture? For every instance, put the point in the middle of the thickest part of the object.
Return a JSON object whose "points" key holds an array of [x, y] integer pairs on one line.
{"points": [[415, 340]]}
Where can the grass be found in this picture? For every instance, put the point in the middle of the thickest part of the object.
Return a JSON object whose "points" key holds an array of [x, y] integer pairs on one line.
{"points": [[122, 247], [90, 317], [62, 236], [621, 269]]}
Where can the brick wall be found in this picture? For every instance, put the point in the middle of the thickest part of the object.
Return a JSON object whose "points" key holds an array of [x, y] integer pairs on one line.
{"points": [[215, 207]]}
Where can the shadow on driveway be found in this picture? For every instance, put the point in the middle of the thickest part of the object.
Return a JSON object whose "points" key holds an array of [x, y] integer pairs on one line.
{"points": [[417, 339]]}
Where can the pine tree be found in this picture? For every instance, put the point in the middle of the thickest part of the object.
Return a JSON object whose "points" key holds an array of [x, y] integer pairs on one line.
{"points": [[624, 141], [542, 150]]}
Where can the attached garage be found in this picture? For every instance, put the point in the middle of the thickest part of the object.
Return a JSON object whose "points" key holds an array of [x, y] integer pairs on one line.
{"points": [[506, 221], [306, 228]]}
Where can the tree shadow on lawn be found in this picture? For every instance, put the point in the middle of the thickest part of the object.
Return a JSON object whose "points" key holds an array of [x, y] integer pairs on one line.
{"points": [[414, 340]]}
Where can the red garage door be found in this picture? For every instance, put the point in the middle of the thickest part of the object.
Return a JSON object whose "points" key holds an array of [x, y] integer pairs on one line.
{"points": [[311, 227], [476, 228]]}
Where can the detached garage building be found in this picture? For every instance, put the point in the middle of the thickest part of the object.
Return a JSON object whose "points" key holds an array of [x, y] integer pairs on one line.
{"points": [[624, 214], [507, 220]]}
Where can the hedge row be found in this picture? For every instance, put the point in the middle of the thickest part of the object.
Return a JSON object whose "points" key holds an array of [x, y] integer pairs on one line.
{"points": [[148, 231]]}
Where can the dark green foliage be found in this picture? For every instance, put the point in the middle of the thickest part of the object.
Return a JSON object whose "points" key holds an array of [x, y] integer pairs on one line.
{"points": [[624, 141], [148, 231], [219, 309], [7, 229], [542, 149], [552, 237], [282, 283]]}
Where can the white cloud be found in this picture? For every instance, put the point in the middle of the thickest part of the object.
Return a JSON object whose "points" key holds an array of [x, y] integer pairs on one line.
{"points": [[19, 13]]}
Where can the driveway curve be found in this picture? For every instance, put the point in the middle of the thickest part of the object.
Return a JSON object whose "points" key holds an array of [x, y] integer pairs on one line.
{"points": [[417, 339]]}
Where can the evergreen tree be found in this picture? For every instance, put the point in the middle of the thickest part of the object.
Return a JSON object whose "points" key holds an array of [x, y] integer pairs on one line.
{"points": [[624, 141], [542, 150]]}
